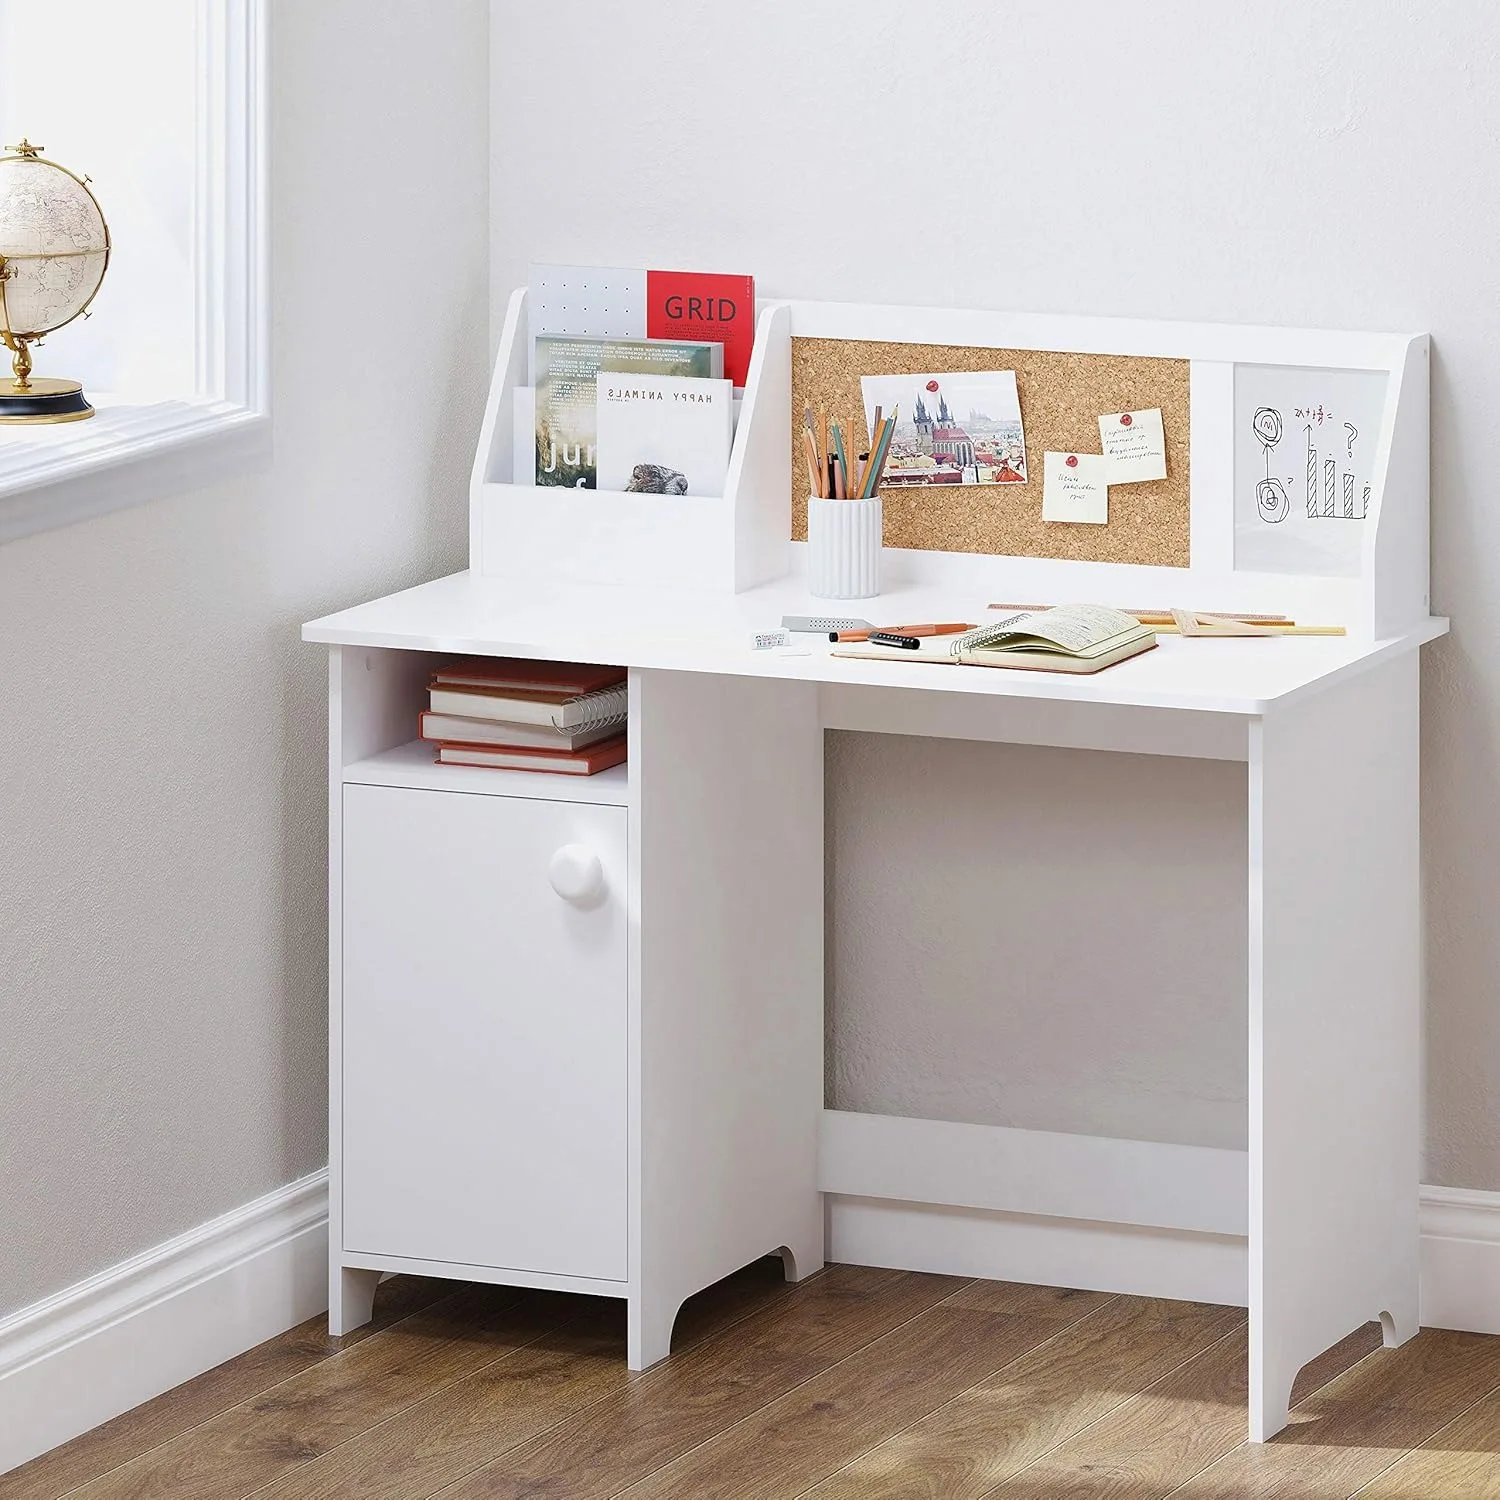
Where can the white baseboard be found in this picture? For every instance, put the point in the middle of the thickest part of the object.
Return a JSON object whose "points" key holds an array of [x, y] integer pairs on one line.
{"points": [[98, 1348], [1461, 1259]]}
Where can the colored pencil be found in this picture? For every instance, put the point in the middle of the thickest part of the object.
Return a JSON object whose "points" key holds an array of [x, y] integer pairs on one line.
{"points": [[810, 454], [820, 472], [878, 458], [845, 636], [869, 473], [864, 458], [841, 473]]}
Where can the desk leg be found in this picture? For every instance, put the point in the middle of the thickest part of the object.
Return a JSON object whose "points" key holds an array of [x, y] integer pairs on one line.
{"points": [[1335, 937]]}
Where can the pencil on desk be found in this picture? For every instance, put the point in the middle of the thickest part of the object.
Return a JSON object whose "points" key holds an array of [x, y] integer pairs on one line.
{"points": [[1164, 616], [955, 627], [1270, 627]]}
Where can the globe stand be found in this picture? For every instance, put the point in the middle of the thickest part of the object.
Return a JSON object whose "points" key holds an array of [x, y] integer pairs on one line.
{"points": [[26, 400]]}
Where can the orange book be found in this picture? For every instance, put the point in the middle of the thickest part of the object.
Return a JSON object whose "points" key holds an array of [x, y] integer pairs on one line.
{"points": [[585, 762]]}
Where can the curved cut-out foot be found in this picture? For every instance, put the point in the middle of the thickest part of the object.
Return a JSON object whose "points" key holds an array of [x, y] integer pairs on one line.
{"points": [[649, 1336], [1270, 1402], [798, 1262], [351, 1299], [1398, 1326]]}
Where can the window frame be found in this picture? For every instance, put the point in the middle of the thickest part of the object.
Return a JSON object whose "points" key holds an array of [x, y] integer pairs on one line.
{"points": [[126, 455]]}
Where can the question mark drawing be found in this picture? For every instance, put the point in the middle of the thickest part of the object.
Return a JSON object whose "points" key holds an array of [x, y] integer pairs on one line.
{"points": [[1353, 432]]}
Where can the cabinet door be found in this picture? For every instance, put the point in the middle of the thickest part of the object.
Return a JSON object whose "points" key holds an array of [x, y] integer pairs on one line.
{"points": [[484, 1065]]}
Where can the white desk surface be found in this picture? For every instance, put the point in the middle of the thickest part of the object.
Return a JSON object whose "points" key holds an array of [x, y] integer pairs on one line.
{"points": [[467, 614]]}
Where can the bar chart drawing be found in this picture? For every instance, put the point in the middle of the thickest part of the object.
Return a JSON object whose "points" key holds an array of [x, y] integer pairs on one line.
{"points": [[1324, 500]]}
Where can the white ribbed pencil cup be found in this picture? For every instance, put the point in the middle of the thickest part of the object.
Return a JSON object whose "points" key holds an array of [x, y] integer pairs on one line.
{"points": [[843, 548]]}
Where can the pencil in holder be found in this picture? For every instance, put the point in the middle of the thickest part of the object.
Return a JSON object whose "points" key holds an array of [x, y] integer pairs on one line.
{"points": [[843, 548]]}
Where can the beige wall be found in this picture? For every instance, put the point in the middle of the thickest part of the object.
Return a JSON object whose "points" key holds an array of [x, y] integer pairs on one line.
{"points": [[162, 795], [1330, 165]]}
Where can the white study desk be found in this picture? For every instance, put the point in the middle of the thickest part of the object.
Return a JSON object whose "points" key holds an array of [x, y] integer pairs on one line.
{"points": [[720, 895], [711, 632]]}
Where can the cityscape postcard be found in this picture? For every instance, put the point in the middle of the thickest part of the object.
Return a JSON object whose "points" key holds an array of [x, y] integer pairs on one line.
{"points": [[950, 429]]}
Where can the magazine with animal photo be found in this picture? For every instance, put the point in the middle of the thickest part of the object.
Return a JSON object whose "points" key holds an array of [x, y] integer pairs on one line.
{"points": [[962, 428], [663, 434], [567, 370]]}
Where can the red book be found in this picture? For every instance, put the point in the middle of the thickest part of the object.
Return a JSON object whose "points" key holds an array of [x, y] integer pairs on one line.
{"points": [[712, 309]]}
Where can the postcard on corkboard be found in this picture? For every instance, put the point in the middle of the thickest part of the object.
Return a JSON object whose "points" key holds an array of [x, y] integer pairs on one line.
{"points": [[1061, 398], [933, 443]]}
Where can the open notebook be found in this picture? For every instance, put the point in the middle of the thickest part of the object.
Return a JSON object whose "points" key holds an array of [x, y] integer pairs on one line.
{"points": [[1070, 638]]}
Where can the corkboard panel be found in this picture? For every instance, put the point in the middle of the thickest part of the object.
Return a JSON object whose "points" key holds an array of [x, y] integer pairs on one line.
{"points": [[1062, 398]]}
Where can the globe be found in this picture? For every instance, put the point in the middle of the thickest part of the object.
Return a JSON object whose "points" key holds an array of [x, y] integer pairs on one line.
{"points": [[54, 249]]}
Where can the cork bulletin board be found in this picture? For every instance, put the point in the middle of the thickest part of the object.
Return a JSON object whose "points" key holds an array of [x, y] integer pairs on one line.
{"points": [[1062, 397]]}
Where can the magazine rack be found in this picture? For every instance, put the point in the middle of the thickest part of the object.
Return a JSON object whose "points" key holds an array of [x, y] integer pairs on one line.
{"points": [[719, 543], [734, 542]]}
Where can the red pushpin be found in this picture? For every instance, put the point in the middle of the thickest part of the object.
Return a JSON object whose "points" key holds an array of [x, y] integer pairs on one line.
{"points": [[1126, 419], [1072, 460], [932, 385]]}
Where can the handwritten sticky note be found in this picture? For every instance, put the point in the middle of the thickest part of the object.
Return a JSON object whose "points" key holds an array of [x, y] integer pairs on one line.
{"points": [[1135, 447], [1075, 487]]}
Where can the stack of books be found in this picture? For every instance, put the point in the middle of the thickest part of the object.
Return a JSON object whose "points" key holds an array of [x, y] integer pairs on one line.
{"points": [[556, 716]]}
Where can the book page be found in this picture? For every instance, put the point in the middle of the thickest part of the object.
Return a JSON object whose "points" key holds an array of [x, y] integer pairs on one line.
{"points": [[1073, 627]]}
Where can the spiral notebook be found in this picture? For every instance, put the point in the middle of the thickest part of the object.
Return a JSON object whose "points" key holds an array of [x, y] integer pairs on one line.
{"points": [[561, 711], [1071, 638]]}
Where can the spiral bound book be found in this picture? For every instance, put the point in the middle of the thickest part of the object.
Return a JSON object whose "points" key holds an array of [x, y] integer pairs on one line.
{"points": [[575, 713], [1076, 638]]}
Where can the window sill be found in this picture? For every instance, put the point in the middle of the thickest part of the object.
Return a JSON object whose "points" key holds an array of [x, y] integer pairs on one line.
{"points": [[126, 454]]}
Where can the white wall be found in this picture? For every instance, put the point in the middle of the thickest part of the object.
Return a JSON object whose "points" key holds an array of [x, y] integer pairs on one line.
{"points": [[162, 793], [1328, 165]]}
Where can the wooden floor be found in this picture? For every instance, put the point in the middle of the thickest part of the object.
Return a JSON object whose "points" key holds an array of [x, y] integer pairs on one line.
{"points": [[858, 1384]]}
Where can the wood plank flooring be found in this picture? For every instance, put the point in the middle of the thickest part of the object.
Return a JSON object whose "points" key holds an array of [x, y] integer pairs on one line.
{"points": [[859, 1384]]}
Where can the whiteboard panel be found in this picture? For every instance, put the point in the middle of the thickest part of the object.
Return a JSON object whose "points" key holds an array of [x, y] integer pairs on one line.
{"points": [[1304, 450]]}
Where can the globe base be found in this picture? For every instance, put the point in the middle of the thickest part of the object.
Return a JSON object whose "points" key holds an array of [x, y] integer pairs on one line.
{"points": [[43, 401]]}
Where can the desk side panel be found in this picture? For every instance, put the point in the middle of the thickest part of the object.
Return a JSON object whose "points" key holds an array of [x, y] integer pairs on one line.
{"points": [[726, 849], [1335, 1039]]}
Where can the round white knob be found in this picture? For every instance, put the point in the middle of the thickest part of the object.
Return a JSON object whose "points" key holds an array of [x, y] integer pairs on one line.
{"points": [[576, 874]]}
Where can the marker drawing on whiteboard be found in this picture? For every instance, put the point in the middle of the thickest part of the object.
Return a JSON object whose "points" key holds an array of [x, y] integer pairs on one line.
{"points": [[1325, 481], [1271, 501]]}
